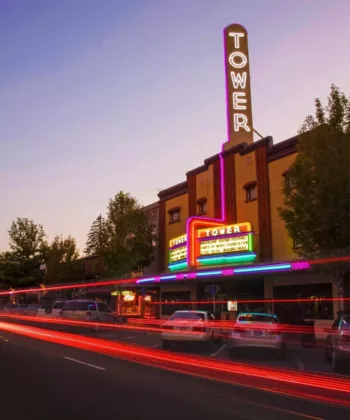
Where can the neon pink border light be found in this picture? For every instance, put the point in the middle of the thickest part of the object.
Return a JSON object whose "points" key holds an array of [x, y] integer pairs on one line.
{"points": [[192, 219]]}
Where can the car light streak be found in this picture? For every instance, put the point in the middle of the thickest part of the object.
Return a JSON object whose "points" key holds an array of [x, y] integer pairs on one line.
{"points": [[322, 388], [296, 265], [157, 326]]}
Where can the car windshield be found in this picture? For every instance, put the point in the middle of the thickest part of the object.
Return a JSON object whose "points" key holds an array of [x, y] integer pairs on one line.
{"points": [[188, 316], [58, 305], [257, 318]]}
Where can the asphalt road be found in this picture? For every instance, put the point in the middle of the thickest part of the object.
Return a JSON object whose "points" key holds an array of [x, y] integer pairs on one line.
{"points": [[42, 381], [298, 358]]}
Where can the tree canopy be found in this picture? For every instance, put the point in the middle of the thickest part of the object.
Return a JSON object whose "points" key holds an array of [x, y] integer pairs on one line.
{"points": [[61, 256], [97, 237], [316, 207], [128, 237], [29, 248]]}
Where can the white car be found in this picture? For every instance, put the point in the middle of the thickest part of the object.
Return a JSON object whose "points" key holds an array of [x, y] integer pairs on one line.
{"points": [[257, 330], [88, 310], [189, 326]]}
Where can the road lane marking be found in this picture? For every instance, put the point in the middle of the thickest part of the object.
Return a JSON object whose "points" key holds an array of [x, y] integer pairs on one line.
{"points": [[218, 351], [5, 339], [84, 363], [131, 336], [157, 345]]}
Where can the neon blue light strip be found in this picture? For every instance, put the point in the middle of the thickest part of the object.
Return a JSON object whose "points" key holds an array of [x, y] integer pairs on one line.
{"points": [[226, 256], [146, 280], [237, 270], [276, 267], [168, 277], [210, 273]]}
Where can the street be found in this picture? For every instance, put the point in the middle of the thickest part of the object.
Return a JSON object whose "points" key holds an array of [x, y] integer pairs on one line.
{"points": [[308, 359], [298, 358], [43, 380]]}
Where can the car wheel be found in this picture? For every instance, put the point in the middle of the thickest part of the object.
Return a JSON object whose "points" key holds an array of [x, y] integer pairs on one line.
{"points": [[328, 353], [336, 362], [165, 345]]}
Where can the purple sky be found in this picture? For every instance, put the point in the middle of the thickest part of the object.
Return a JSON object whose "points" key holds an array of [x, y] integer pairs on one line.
{"points": [[99, 96]]}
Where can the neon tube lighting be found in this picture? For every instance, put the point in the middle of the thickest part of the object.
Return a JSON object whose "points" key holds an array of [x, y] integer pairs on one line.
{"points": [[178, 266], [227, 259], [183, 244], [210, 238], [222, 187], [210, 273], [275, 267], [225, 272], [250, 241], [233, 256]]}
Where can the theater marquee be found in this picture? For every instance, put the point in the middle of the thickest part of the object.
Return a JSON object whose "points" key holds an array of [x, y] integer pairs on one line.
{"points": [[178, 253], [228, 244], [215, 245]]}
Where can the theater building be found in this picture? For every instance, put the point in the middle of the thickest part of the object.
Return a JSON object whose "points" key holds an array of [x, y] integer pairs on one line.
{"points": [[220, 238]]}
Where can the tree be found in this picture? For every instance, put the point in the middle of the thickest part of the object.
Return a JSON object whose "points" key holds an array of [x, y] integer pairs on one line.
{"points": [[336, 114], [97, 237], [61, 256], [27, 240], [129, 236], [316, 207], [28, 249]]}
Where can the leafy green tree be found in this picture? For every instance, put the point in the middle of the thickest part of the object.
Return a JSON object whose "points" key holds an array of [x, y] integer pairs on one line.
{"points": [[61, 257], [27, 240], [336, 114], [316, 207], [129, 236], [28, 249], [97, 237]]}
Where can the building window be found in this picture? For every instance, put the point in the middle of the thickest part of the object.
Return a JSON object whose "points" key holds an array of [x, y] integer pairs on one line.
{"points": [[201, 206], [288, 179], [174, 214], [154, 233], [251, 191], [296, 244]]}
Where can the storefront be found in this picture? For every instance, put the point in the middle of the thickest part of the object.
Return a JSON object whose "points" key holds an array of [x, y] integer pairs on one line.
{"points": [[137, 303]]}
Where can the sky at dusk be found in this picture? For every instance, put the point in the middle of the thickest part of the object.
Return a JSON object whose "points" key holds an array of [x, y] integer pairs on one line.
{"points": [[98, 96]]}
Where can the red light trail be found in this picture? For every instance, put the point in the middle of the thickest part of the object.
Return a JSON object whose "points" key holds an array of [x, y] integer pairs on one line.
{"points": [[157, 326], [113, 282], [322, 388]]}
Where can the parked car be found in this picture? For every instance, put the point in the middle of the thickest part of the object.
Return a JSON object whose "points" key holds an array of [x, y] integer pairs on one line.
{"points": [[189, 326], [337, 349], [57, 307], [257, 330], [10, 307], [88, 310], [20, 309], [32, 309]]}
